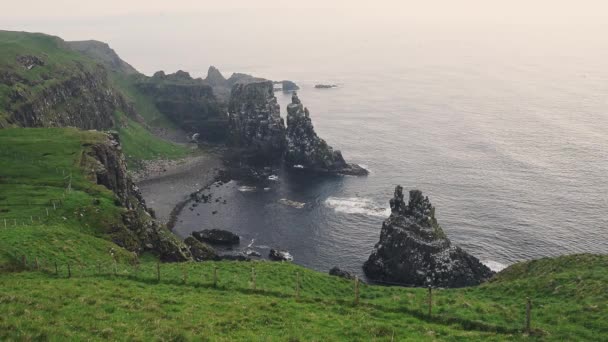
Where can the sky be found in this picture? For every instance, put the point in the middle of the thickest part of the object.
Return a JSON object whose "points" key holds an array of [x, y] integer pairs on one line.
{"points": [[244, 34]]}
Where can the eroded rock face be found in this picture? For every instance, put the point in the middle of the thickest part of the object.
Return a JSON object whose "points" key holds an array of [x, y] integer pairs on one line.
{"points": [[337, 272], [138, 231], [255, 122], [189, 103], [413, 249], [305, 148]]}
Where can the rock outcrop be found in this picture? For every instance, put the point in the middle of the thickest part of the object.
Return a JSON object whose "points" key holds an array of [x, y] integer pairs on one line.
{"points": [[215, 77], [189, 103], [217, 237], [337, 272], [256, 126], [138, 231], [81, 97], [413, 249], [306, 150], [200, 251]]}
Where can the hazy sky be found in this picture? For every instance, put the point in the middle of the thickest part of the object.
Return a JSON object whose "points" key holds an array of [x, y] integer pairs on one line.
{"points": [[244, 34]]}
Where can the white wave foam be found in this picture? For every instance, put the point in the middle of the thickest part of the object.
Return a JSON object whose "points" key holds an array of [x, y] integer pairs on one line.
{"points": [[245, 188], [273, 178], [494, 265], [251, 243], [357, 205]]}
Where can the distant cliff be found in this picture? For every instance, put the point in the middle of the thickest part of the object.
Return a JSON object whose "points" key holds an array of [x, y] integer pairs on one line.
{"points": [[190, 103], [104, 54]]}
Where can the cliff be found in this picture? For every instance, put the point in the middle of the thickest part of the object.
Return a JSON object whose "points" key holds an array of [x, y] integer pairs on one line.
{"points": [[306, 150], [138, 231], [255, 122], [45, 84], [413, 249], [189, 103]]}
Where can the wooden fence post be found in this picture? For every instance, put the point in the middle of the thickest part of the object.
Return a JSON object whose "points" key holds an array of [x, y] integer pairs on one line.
{"points": [[253, 278], [56, 269], [37, 265], [24, 261], [69, 271], [158, 271], [47, 211], [115, 268], [430, 300], [5, 223], [356, 290], [184, 274], [297, 285], [214, 276], [528, 309]]}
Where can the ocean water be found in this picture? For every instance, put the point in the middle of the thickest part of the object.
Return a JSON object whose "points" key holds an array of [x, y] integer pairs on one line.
{"points": [[514, 157]]}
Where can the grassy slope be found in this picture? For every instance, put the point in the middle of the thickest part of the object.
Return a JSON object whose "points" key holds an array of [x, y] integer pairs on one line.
{"points": [[569, 293], [60, 61], [36, 165]]}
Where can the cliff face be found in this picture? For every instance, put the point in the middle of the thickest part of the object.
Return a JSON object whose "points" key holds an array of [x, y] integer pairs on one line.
{"points": [[305, 149], [139, 230], [413, 249], [82, 97], [188, 102], [255, 122]]}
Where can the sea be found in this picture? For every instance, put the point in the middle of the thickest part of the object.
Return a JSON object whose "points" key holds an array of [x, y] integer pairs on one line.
{"points": [[514, 156]]}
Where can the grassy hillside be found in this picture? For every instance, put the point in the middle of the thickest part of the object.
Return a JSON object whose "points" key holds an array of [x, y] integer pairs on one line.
{"points": [[60, 63], [111, 294]]}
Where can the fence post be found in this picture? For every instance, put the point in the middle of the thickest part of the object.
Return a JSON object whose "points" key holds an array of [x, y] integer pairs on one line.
{"points": [[528, 309], [32, 219], [56, 269], [184, 274], [253, 278], [4, 223], [115, 268], [297, 285], [356, 290], [47, 211], [158, 271], [37, 264], [69, 271], [430, 300], [214, 276]]}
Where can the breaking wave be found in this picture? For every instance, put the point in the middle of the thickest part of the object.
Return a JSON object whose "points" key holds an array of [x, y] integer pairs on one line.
{"points": [[357, 205], [246, 188], [494, 265]]}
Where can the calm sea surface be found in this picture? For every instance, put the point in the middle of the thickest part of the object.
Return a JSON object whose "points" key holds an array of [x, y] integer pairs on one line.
{"points": [[514, 156]]}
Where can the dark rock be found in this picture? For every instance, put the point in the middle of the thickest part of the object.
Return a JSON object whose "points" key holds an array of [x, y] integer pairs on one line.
{"points": [[279, 255], [200, 251], [189, 103], [341, 273], [215, 78], [29, 62], [256, 126], [325, 86], [413, 249], [287, 86], [217, 237], [306, 150]]}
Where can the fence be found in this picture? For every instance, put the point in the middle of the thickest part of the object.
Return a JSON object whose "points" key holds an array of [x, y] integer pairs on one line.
{"points": [[222, 279]]}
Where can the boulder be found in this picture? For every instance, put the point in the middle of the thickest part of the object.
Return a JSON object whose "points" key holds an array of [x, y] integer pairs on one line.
{"points": [[216, 237], [414, 250], [280, 255], [335, 271], [200, 251]]}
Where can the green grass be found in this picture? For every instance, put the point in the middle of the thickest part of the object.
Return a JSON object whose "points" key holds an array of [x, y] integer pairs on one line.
{"points": [[139, 144], [40, 215]]}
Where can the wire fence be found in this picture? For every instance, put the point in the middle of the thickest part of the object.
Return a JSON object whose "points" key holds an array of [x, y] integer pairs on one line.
{"points": [[301, 289]]}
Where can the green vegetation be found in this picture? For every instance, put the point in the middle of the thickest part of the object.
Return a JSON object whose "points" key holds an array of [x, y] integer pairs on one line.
{"points": [[42, 216], [113, 295], [139, 144]]}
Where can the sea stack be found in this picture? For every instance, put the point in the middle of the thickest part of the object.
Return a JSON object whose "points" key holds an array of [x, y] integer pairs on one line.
{"points": [[255, 121], [414, 250], [306, 150]]}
